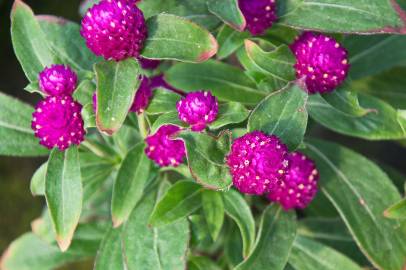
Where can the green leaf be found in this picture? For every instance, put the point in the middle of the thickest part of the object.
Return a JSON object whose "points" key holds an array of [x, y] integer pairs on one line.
{"points": [[109, 256], [276, 234], [175, 38], [282, 113], [230, 113], [229, 41], [381, 123], [225, 81], [84, 92], [213, 208], [344, 16], [117, 83], [64, 193], [163, 101], [277, 64], [147, 247], [206, 158], [88, 115], [33, 88], [65, 42], [311, 255], [29, 41], [200, 235], [233, 246], [182, 199], [167, 118], [195, 10], [229, 12], [37, 185], [367, 51], [346, 101], [129, 185], [360, 192], [388, 86], [202, 263], [16, 135], [238, 209], [29, 252], [397, 211]]}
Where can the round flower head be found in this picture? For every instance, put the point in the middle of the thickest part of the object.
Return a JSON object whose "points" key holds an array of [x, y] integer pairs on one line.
{"points": [[142, 97], [114, 29], [299, 186], [257, 162], [321, 61], [58, 80], [164, 150], [57, 122], [198, 109], [259, 14], [148, 63]]}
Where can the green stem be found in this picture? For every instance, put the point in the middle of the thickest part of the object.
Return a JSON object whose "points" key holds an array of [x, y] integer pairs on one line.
{"points": [[142, 125], [94, 149]]}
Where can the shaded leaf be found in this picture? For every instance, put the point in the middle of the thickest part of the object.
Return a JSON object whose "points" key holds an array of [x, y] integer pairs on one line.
{"points": [[397, 211], [163, 101], [37, 185], [229, 41], [229, 12], [202, 263], [109, 256], [213, 208], [230, 113]]}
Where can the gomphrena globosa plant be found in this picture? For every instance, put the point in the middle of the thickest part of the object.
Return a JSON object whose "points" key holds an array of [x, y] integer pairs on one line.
{"points": [[187, 134]]}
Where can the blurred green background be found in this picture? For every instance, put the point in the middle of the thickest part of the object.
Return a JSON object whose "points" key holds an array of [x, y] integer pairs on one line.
{"points": [[18, 207]]}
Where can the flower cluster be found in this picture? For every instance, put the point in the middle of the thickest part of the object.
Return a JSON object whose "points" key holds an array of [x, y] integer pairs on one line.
{"points": [[57, 120], [259, 14], [261, 164]]}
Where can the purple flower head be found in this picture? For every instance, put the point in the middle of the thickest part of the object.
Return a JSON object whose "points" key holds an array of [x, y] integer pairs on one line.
{"points": [[321, 61], [114, 29], [142, 97], [257, 162], [148, 63], [58, 80], [57, 122], [259, 14], [198, 109], [164, 150], [299, 186]]}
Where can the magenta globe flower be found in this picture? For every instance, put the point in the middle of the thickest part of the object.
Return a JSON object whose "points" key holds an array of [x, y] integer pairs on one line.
{"points": [[164, 150], [259, 14], [299, 187], [321, 61], [57, 122], [142, 97], [198, 109], [257, 162], [114, 29], [58, 80]]}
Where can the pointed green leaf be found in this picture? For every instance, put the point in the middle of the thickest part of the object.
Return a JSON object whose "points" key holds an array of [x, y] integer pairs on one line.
{"points": [[16, 135], [213, 208], [310, 255], [29, 41], [109, 256], [230, 113], [131, 179], [147, 247], [182, 199], [163, 101], [346, 101], [202, 263], [360, 192], [225, 81], [397, 211], [238, 209], [282, 113], [229, 12], [344, 16], [206, 158], [175, 38], [276, 234], [37, 185], [167, 118], [117, 83], [229, 41], [64, 193]]}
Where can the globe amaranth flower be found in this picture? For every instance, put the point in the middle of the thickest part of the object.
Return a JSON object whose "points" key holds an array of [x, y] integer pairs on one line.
{"points": [[57, 122], [57, 80], [141, 99], [114, 29], [299, 186], [148, 63], [259, 14], [142, 96], [163, 149], [198, 109], [257, 162], [321, 61]]}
